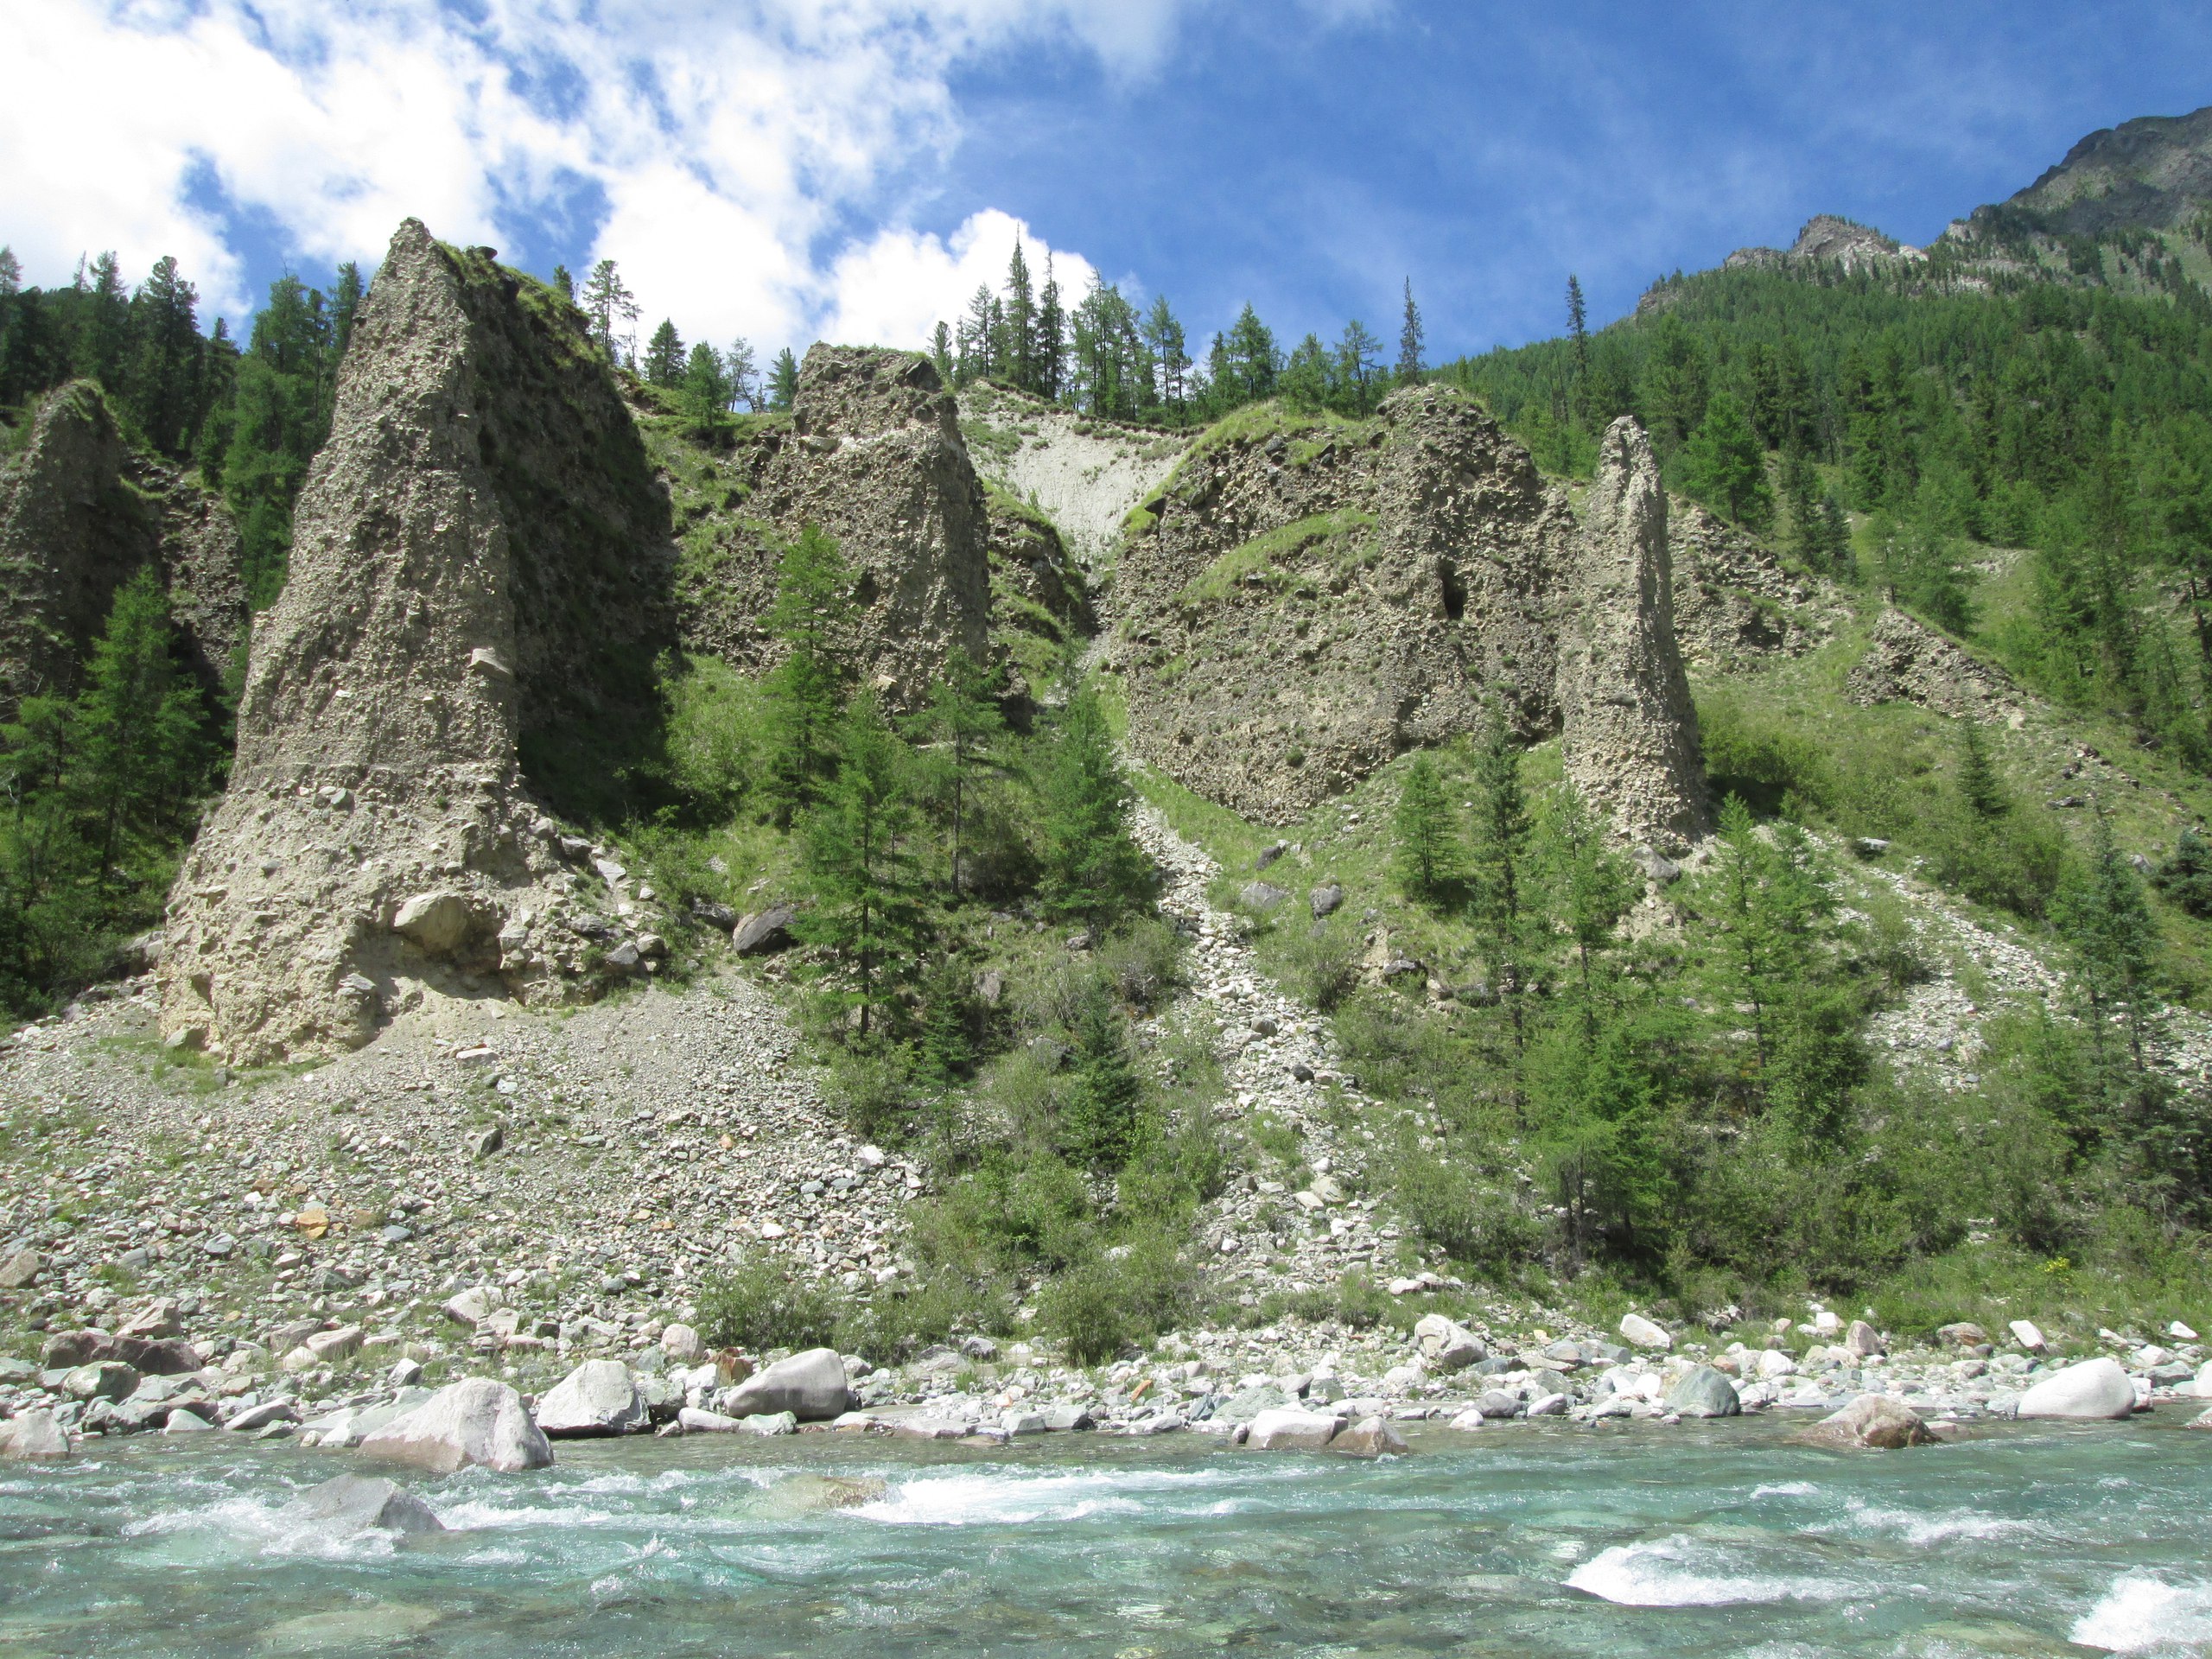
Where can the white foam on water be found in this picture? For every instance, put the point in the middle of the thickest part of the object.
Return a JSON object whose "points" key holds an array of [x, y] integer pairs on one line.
{"points": [[1936, 1527], [264, 1529], [1785, 1489], [1680, 1573], [2143, 1613], [963, 1499], [480, 1515]]}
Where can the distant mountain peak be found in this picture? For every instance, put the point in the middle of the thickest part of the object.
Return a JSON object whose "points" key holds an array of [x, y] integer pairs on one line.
{"points": [[2154, 172], [1830, 238]]}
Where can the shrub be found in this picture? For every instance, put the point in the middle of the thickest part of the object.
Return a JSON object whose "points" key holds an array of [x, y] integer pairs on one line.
{"points": [[761, 1305]]}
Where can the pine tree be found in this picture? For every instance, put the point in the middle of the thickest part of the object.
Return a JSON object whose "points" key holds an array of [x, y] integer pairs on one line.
{"points": [[2106, 922], [610, 306], [1409, 342], [1979, 787], [1052, 341], [564, 284], [804, 689], [1589, 886], [1724, 466], [705, 390], [1357, 352], [1102, 1119], [947, 1045], [941, 353], [1093, 870], [782, 381], [138, 721], [1252, 359], [1430, 861], [281, 415], [345, 305], [101, 350], [664, 355], [1171, 357], [1017, 344], [2186, 875], [962, 717], [742, 375], [862, 877], [1578, 328], [978, 336], [1500, 855], [164, 379]]}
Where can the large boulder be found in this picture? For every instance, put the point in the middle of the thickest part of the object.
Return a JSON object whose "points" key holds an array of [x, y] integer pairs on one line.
{"points": [[1286, 1428], [355, 1504], [480, 569], [2094, 1390], [1447, 1344], [1629, 730], [599, 1397], [478, 1421], [812, 1386], [33, 1437], [1641, 1332], [1704, 1392], [21, 1270], [1370, 1437], [1873, 1420]]}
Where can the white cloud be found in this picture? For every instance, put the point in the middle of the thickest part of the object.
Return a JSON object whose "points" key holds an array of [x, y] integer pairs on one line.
{"points": [[895, 289], [728, 142]]}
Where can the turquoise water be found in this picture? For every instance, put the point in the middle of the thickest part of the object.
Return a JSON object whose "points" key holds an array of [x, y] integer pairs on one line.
{"points": [[1626, 1540]]}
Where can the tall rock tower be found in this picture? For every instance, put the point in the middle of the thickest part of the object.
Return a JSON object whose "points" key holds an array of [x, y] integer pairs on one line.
{"points": [[1629, 727], [478, 562]]}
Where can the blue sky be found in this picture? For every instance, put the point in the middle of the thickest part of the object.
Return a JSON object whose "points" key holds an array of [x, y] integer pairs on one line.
{"points": [[850, 169]]}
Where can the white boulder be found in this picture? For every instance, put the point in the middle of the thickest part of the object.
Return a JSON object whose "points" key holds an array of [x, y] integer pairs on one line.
{"points": [[1640, 1332], [1286, 1429], [810, 1386], [478, 1421], [599, 1397], [2095, 1389]]}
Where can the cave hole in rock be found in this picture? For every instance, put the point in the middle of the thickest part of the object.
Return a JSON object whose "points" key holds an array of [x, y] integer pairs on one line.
{"points": [[1453, 590]]}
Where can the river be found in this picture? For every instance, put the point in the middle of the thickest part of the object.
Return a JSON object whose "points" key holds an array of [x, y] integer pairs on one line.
{"points": [[1530, 1540]]}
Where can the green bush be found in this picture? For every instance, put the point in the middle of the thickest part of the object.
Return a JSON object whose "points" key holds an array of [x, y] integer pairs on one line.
{"points": [[762, 1305], [1323, 962]]}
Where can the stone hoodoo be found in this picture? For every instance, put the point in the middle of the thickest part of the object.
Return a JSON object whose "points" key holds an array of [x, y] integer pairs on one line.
{"points": [[478, 573], [1629, 730], [1299, 605], [80, 512], [874, 456]]}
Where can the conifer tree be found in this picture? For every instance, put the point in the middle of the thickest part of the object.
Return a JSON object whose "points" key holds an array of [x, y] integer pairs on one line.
{"points": [[345, 305], [782, 381], [861, 874], [137, 722], [1409, 342], [1979, 787], [2101, 914], [102, 346], [1093, 870], [564, 284], [610, 306], [742, 375], [1723, 466], [1429, 857], [281, 415], [1577, 330], [705, 390], [1052, 342], [1102, 1116], [665, 356], [1017, 346], [941, 353], [2186, 875], [804, 689], [1171, 357], [1500, 857], [164, 379], [963, 718], [1590, 888], [1249, 352], [1357, 352]]}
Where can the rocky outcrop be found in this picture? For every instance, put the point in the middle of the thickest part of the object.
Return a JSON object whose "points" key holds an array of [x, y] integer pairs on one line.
{"points": [[874, 456], [1828, 239], [1629, 727], [1302, 601], [1040, 607], [1085, 473], [1735, 603], [82, 511], [478, 574], [1907, 661]]}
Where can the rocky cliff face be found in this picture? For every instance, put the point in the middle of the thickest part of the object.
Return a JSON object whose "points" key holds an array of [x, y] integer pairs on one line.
{"points": [[80, 512], [1302, 602], [874, 456], [1629, 728], [480, 560]]}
